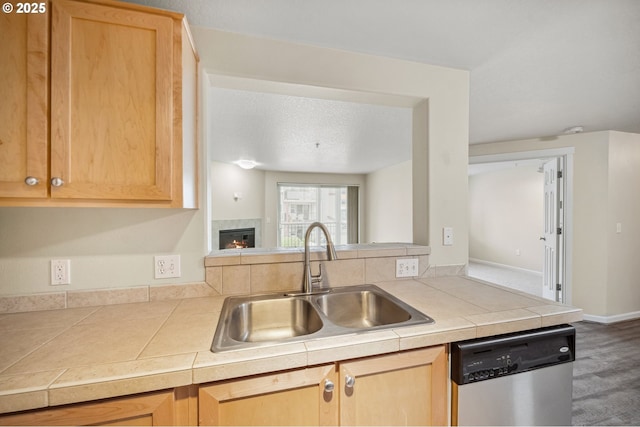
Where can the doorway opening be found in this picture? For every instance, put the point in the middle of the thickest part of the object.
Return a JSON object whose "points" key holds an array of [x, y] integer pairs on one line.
{"points": [[521, 221]]}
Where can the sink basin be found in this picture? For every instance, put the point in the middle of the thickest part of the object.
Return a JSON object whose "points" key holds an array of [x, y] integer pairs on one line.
{"points": [[273, 319], [361, 309], [255, 321]]}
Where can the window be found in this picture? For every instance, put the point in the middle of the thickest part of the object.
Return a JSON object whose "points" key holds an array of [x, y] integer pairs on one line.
{"points": [[334, 206]]}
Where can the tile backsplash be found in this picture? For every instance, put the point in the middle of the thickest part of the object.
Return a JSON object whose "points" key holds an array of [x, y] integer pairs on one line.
{"points": [[96, 297], [251, 271], [243, 271]]}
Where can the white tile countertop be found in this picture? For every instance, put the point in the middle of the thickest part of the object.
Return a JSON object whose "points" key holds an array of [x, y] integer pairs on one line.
{"points": [[73, 355]]}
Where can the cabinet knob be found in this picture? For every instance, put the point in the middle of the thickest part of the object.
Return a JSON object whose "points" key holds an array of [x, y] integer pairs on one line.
{"points": [[57, 182], [328, 386], [31, 181], [349, 381]]}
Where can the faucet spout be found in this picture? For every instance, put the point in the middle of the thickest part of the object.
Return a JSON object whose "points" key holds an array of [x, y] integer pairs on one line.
{"points": [[308, 279]]}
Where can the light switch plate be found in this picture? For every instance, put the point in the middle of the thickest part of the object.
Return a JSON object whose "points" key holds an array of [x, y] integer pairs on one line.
{"points": [[166, 266]]}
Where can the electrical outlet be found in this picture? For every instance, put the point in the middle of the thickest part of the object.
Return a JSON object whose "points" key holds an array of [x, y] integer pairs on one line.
{"points": [[447, 236], [166, 266], [60, 272], [407, 267]]}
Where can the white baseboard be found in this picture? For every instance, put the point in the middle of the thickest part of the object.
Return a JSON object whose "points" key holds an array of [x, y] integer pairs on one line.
{"points": [[607, 320], [508, 267]]}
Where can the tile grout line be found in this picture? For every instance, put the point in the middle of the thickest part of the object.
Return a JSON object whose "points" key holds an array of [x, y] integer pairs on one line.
{"points": [[146, 344], [63, 330]]}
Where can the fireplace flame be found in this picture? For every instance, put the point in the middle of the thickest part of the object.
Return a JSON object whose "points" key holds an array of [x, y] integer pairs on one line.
{"points": [[241, 244]]}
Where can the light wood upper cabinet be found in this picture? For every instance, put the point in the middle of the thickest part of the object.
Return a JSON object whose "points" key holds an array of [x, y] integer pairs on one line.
{"points": [[122, 76], [111, 98], [298, 397], [24, 64], [407, 388]]}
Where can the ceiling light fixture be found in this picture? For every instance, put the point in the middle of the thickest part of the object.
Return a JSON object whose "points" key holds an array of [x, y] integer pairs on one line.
{"points": [[246, 164], [573, 129]]}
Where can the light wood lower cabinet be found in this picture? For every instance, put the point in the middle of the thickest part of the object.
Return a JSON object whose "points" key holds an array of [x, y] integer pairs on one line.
{"points": [[406, 388], [287, 398], [163, 408]]}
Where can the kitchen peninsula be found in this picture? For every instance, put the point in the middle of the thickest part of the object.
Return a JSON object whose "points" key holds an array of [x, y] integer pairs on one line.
{"points": [[161, 349]]}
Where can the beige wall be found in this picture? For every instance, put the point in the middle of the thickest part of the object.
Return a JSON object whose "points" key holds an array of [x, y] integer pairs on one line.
{"points": [[506, 215], [623, 287], [225, 181], [441, 175], [598, 160], [388, 210], [111, 248], [385, 198], [108, 247]]}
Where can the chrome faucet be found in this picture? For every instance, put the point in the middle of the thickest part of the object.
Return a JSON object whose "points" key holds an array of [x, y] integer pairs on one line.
{"points": [[308, 280]]}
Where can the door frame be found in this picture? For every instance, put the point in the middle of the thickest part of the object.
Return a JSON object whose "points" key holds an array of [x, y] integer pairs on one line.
{"points": [[566, 255], [552, 276]]}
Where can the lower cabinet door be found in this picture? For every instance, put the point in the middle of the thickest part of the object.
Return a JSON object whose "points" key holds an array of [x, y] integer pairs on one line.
{"points": [[298, 397], [163, 408], [408, 388]]}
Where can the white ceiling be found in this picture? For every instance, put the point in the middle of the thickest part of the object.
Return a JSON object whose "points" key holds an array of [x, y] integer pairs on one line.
{"points": [[293, 133], [536, 67]]}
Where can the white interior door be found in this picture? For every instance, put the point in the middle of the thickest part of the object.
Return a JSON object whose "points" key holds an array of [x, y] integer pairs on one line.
{"points": [[551, 273]]}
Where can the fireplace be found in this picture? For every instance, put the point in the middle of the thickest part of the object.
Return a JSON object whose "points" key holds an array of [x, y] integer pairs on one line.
{"points": [[237, 238]]}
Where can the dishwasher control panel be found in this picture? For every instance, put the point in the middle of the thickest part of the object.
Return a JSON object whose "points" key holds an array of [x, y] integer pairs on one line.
{"points": [[487, 358]]}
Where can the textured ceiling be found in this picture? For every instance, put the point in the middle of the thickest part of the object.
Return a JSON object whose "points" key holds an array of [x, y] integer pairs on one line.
{"points": [[536, 66], [292, 133]]}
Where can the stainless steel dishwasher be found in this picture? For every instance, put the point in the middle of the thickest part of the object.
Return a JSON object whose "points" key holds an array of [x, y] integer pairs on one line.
{"points": [[515, 379]]}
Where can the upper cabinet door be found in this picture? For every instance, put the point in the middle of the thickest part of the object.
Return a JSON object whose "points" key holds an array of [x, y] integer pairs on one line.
{"points": [[24, 64], [111, 103]]}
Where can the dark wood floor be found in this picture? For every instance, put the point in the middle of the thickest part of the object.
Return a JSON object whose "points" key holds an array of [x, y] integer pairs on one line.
{"points": [[606, 374]]}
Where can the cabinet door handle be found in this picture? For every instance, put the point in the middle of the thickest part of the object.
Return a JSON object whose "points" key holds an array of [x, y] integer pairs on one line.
{"points": [[31, 181], [57, 182], [328, 386], [349, 381]]}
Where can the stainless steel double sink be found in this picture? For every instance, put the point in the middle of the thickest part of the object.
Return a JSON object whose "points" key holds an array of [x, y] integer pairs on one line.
{"points": [[255, 321]]}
